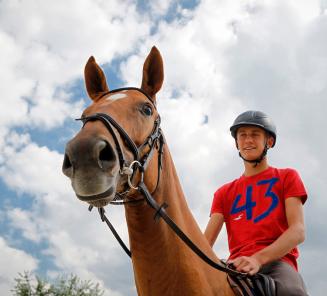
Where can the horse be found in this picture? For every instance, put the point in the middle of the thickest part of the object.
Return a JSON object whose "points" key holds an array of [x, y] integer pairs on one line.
{"points": [[122, 146]]}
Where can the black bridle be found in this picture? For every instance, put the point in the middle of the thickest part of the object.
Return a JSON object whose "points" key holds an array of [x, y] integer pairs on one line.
{"points": [[154, 141]]}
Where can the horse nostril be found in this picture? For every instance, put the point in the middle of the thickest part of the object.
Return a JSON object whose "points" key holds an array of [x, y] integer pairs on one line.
{"points": [[67, 166], [106, 154]]}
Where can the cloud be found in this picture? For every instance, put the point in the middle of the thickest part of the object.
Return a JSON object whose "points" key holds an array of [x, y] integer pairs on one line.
{"points": [[43, 53], [41, 56], [59, 219], [24, 221], [33, 169], [261, 55], [13, 261], [159, 8], [220, 59]]}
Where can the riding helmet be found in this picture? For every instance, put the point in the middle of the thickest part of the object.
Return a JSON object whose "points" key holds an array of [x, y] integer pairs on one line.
{"points": [[254, 118]]}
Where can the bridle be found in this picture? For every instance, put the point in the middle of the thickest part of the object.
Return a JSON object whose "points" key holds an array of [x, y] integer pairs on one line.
{"points": [[154, 141], [256, 161]]}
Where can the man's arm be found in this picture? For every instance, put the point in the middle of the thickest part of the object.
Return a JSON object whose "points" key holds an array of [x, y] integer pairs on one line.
{"points": [[213, 228], [293, 236]]}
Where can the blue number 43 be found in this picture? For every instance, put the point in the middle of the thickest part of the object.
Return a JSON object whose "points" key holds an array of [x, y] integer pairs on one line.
{"points": [[250, 204]]}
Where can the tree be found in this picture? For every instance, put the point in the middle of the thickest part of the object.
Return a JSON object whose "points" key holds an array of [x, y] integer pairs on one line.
{"points": [[27, 284]]}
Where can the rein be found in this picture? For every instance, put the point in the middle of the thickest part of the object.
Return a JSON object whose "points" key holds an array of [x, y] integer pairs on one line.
{"points": [[155, 141]]}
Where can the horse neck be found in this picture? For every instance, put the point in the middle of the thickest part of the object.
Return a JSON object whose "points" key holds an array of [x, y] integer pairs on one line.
{"points": [[161, 261]]}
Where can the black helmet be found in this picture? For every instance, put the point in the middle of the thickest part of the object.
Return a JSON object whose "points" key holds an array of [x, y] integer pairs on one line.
{"points": [[255, 118]]}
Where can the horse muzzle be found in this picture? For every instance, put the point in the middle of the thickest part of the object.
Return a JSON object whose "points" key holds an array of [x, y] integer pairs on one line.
{"points": [[93, 168]]}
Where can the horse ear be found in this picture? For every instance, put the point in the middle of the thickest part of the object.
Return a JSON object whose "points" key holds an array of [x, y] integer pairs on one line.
{"points": [[153, 73], [95, 80]]}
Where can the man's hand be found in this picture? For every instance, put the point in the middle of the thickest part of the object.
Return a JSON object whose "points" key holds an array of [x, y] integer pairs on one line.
{"points": [[250, 265]]}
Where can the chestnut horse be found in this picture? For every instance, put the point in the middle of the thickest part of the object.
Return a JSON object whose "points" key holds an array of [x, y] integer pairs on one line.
{"points": [[95, 161]]}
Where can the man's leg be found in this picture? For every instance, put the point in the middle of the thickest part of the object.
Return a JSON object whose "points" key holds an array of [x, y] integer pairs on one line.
{"points": [[288, 281]]}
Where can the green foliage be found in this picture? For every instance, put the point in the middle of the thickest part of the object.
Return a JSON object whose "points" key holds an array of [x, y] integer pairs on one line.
{"points": [[28, 285]]}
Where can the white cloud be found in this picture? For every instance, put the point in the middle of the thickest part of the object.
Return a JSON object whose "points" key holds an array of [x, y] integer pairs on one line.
{"points": [[159, 7], [232, 57], [220, 59], [78, 241], [24, 221], [48, 48], [33, 169], [12, 262]]}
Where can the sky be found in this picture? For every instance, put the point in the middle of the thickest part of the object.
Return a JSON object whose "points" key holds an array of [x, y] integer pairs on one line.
{"points": [[220, 58]]}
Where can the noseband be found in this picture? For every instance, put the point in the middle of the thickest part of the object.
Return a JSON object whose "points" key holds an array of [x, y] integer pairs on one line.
{"points": [[154, 140]]}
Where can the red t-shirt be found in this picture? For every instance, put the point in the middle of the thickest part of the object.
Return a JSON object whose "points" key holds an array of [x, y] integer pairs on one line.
{"points": [[254, 210]]}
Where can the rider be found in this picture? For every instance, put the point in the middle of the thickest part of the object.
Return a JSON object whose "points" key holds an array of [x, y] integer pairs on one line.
{"points": [[262, 209]]}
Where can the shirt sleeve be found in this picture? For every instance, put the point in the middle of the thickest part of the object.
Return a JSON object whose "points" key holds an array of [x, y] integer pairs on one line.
{"points": [[217, 203], [293, 186]]}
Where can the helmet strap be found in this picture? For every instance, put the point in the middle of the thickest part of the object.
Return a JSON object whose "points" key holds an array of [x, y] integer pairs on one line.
{"points": [[259, 159]]}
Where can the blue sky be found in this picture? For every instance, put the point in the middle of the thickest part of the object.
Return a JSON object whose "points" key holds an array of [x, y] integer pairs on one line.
{"points": [[220, 58]]}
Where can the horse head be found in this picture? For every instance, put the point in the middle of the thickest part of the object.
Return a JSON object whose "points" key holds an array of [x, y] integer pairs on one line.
{"points": [[117, 129]]}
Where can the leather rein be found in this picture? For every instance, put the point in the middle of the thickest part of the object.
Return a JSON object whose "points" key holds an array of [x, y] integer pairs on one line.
{"points": [[154, 141]]}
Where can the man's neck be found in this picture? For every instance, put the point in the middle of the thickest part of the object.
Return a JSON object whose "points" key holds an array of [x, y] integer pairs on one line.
{"points": [[250, 169]]}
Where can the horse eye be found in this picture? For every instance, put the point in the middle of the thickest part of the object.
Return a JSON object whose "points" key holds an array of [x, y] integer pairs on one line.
{"points": [[147, 110]]}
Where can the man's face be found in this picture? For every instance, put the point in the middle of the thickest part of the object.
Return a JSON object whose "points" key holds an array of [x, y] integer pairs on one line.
{"points": [[251, 141]]}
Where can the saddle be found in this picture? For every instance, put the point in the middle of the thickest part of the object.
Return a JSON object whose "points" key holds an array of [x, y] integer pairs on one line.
{"points": [[255, 285]]}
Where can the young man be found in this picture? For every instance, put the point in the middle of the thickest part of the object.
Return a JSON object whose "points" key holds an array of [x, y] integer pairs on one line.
{"points": [[262, 209]]}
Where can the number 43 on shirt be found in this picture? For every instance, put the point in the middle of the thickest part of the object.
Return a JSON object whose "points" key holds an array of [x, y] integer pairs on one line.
{"points": [[250, 204]]}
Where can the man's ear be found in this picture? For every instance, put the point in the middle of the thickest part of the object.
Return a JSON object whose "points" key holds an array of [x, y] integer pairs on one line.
{"points": [[236, 144], [270, 141]]}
